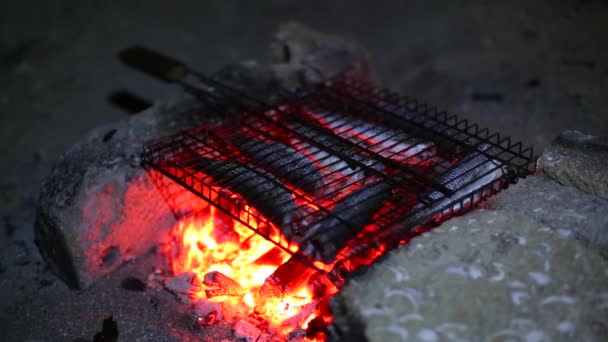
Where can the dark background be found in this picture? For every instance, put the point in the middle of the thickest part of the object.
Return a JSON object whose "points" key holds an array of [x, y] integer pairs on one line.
{"points": [[529, 69]]}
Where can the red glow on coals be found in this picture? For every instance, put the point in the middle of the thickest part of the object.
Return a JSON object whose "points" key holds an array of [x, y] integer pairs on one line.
{"points": [[212, 244], [212, 241]]}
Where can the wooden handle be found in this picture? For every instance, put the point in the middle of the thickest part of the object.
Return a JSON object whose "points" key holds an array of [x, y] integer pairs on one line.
{"points": [[154, 64]]}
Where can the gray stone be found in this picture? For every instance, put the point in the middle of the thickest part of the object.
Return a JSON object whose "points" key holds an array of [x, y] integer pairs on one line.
{"points": [[579, 160], [488, 275], [564, 209], [98, 207], [303, 56]]}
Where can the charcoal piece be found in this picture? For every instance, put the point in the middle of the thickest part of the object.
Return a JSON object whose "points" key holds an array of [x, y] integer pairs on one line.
{"points": [[348, 217], [208, 312], [245, 331], [317, 328], [289, 276], [272, 257], [221, 285], [284, 163], [259, 188], [133, 284], [109, 331], [305, 311]]}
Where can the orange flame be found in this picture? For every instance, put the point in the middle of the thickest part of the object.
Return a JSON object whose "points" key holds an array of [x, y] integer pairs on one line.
{"points": [[216, 242]]}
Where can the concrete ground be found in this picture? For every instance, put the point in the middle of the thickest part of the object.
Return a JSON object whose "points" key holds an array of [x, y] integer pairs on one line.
{"points": [[529, 69]]}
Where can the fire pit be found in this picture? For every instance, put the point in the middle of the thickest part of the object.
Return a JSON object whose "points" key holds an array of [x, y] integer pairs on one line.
{"points": [[302, 192]]}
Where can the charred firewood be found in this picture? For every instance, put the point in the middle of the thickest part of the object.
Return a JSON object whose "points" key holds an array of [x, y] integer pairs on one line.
{"points": [[222, 285]]}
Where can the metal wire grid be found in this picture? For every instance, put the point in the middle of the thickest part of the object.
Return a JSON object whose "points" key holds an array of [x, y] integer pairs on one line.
{"points": [[176, 156]]}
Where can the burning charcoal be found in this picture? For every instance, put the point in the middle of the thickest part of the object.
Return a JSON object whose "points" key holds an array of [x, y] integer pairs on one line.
{"points": [[259, 188], [348, 217], [388, 143], [291, 275], [298, 334], [297, 320], [272, 257], [208, 312], [109, 331], [133, 284], [246, 331], [222, 285], [284, 162], [316, 327]]}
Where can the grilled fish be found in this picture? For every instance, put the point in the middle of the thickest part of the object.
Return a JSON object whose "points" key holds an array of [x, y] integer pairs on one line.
{"points": [[388, 143], [283, 162], [259, 188], [471, 173], [331, 233], [342, 161]]}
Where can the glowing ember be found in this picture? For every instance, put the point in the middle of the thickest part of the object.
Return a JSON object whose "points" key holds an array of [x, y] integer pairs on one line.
{"points": [[221, 252]]}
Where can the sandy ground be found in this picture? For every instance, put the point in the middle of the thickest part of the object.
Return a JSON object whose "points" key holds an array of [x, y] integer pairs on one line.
{"points": [[525, 68]]}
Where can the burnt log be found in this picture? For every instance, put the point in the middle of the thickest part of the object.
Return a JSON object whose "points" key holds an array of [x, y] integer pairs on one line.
{"points": [[99, 208]]}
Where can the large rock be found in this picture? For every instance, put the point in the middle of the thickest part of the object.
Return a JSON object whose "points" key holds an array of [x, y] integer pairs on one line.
{"points": [[303, 56], [579, 160], [489, 275], [99, 208], [564, 209]]}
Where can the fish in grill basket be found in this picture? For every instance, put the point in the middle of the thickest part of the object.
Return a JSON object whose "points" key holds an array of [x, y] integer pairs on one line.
{"points": [[259, 188], [388, 143], [283, 162], [470, 174], [332, 232], [332, 156], [473, 172]]}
